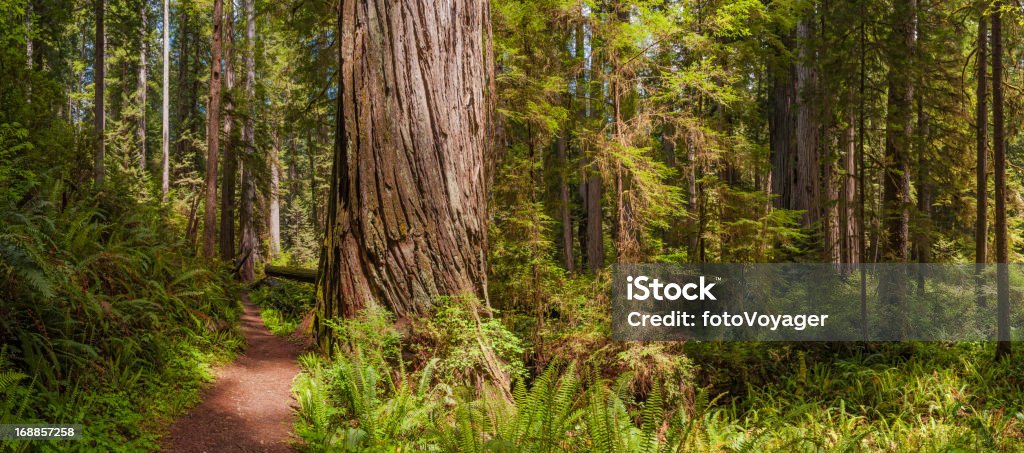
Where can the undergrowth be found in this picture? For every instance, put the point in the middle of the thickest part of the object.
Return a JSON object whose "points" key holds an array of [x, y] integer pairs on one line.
{"points": [[283, 304], [744, 397], [105, 321]]}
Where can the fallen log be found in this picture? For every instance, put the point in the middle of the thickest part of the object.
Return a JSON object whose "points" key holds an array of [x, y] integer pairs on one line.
{"points": [[291, 273]]}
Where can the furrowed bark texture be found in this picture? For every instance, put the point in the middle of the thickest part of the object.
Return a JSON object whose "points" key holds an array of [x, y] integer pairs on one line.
{"points": [[248, 244], [230, 170], [807, 186], [981, 128], [407, 210], [213, 137], [999, 159]]}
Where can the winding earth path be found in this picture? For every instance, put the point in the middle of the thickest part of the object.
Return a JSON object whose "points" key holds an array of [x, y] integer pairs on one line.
{"points": [[248, 409]]}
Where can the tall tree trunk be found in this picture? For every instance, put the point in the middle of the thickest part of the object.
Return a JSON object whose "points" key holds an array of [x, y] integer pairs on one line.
{"points": [[99, 76], [142, 87], [184, 106], [594, 185], [247, 215], [694, 221], [625, 243], [165, 139], [862, 171], [899, 133], [898, 142], [781, 143], [999, 158], [29, 60], [807, 187], [315, 218], [922, 241], [227, 179], [213, 136], [407, 210], [274, 196], [848, 231], [564, 206], [582, 101], [981, 194]]}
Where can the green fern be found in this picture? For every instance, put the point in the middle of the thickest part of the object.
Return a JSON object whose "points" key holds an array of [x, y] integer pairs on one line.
{"points": [[652, 420]]}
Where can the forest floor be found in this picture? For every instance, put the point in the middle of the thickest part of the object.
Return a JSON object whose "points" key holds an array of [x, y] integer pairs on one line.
{"points": [[249, 406]]}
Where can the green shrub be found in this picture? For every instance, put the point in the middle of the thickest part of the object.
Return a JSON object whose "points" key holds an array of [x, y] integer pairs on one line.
{"points": [[454, 334], [109, 322]]}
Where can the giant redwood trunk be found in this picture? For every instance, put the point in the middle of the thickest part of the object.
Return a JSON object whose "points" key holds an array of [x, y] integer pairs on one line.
{"points": [[807, 184], [407, 208]]}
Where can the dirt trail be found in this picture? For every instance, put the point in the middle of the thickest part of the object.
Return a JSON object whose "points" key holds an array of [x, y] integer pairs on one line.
{"points": [[248, 409]]}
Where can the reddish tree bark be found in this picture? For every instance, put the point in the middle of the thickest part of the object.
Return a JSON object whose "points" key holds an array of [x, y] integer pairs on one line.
{"points": [[999, 159], [407, 210], [213, 137], [227, 180], [981, 197]]}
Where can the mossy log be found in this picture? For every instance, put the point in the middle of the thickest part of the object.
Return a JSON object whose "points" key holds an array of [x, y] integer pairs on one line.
{"points": [[291, 273]]}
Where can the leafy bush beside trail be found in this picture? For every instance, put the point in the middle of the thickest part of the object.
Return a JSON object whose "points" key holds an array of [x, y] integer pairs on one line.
{"points": [[103, 320]]}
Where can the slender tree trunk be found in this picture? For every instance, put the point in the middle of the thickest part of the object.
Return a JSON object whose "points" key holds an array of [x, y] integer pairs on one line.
{"points": [[981, 194], [247, 215], [184, 106], [862, 182], [29, 57], [29, 49], [849, 234], [922, 242], [999, 158], [625, 243], [694, 228], [314, 213], [568, 260], [99, 76], [580, 100], [192, 228], [227, 179], [274, 196], [213, 136], [595, 186], [165, 140], [142, 87]]}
